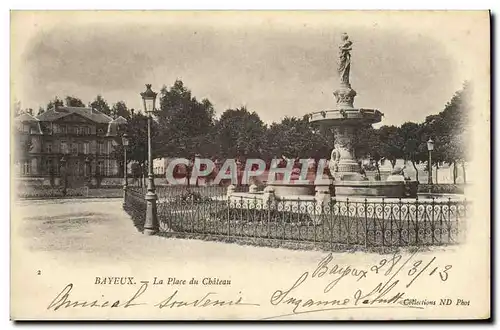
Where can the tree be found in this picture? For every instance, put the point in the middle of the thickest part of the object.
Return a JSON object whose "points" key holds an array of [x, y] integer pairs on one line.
{"points": [[186, 124], [56, 102], [294, 138], [120, 109], [72, 101], [367, 145], [101, 105], [137, 131], [391, 144], [40, 111], [240, 133], [414, 149], [456, 115], [449, 130]]}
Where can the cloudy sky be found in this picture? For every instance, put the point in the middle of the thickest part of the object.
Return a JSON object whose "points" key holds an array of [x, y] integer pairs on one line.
{"points": [[277, 64]]}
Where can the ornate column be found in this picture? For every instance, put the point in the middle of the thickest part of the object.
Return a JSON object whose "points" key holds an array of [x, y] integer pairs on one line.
{"points": [[345, 165]]}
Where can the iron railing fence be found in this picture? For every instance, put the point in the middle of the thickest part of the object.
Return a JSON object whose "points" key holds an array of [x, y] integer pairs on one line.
{"points": [[206, 212], [367, 223], [135, 205]]}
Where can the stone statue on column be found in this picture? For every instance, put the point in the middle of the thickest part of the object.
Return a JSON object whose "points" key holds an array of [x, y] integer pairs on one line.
{"points": [[344, 94], [344, 63]]}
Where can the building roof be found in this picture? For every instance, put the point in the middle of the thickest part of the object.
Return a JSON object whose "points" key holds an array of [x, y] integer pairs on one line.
{"points": [[33, 123], [89, 113], [24, 117], [120, 120]]}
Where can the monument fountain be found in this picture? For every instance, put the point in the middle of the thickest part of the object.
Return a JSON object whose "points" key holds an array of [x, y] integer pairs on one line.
{"points": [[346, 121], [346, 194]]}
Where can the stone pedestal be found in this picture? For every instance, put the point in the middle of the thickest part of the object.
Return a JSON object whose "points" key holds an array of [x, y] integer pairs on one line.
{"points": [[345, 96], [346, 166]]}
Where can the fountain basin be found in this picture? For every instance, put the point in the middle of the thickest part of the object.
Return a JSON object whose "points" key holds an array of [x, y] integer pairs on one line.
{"points": [[291, 189], [346, 116], [388, 189]]}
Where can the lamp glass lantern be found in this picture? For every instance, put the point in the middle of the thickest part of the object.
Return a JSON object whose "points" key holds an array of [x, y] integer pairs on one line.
{"points": [[125, 139], [149, 98], [430, 145]]}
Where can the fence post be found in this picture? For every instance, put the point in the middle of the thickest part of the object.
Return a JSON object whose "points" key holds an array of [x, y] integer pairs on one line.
{"points": [[268, 200], [322, 194], [416, 221], [383, 221], [231, 189], [366, 221], [433, 225], [253, 189]]}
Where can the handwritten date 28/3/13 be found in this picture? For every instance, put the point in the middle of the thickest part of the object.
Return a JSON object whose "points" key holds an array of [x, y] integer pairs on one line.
{"points": [[414, 267]]}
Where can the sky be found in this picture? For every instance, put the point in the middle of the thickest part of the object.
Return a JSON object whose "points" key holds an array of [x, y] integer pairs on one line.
{"points": [[276, 64]]}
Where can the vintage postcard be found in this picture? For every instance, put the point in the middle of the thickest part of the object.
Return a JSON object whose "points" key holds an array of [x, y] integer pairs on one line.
{"points": [[250, 165]]}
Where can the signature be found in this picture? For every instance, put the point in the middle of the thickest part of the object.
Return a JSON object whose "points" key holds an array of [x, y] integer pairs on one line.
{"points": [[395, 275], [64, 299]]}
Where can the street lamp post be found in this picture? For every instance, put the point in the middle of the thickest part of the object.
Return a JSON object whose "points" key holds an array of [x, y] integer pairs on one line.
{"points": [[64, 175], [88, 171], [151, 225], [430, 147], [125, 181]]}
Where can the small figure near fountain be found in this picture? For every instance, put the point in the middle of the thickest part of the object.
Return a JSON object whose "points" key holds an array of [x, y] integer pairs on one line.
{"points": [[398, 174], [362, 171], [334, 161]]}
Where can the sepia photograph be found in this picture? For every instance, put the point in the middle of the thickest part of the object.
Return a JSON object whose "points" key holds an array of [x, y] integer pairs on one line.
{"points": [[250, 165]]}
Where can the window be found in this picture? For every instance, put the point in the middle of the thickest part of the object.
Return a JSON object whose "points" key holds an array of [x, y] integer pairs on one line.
{"points": [[26, 128], [86, 148], [99, 168], [100, 147], [74, 148], [78, 168], [48, 166], [63, 129], [48, 147], [106, 167], [64, 147], [26, 167]]}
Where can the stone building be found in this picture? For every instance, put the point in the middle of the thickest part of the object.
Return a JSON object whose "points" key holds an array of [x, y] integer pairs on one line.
{"points": [[85, 137]]}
